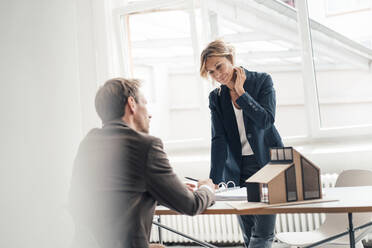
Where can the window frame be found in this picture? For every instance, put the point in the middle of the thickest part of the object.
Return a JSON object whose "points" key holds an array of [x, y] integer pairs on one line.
{"points": [[354, 8], [316, 131], [210, 26]]}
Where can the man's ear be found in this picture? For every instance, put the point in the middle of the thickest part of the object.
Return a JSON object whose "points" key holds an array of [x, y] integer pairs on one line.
{"points": [[131, 104]]}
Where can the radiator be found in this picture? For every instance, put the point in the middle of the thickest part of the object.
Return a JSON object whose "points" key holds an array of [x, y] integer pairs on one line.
{"points": [[225, 228]]}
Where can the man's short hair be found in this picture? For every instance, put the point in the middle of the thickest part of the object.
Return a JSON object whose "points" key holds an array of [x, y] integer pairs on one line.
{"points": [[112, 97]]}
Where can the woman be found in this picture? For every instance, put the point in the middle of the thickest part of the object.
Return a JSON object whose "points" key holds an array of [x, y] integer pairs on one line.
{"points": [[243, 114]]}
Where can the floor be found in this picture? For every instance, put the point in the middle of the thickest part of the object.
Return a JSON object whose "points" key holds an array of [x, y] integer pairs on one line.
{"points": [[367, 244], [275, 245]]}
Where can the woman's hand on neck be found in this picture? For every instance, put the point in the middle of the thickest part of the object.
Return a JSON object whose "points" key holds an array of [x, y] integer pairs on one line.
{"points": [[231, 85]]}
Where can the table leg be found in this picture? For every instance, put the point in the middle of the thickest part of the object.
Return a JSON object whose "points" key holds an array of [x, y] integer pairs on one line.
{"points": [[159, 231], [351, 230], [202, 243]]}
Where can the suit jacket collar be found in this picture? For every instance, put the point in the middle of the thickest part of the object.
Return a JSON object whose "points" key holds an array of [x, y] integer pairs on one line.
{"points": [[116, 122]]}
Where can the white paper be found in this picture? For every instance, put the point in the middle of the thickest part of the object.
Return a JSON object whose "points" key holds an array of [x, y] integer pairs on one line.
{"points": [[232, 194]]}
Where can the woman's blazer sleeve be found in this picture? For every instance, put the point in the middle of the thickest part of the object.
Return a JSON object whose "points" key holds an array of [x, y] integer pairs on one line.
{"points": [[262, 111], [218, 141]]}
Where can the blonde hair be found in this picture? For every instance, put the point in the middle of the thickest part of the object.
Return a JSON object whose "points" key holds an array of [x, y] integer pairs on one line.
{"points": [[216, 48]]}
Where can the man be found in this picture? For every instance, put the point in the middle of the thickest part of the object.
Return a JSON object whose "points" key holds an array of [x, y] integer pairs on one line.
{"points": [[121, 172]]}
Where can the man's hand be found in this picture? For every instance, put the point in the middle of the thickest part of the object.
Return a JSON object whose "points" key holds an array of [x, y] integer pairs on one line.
{"points": [[207, 182], [190, 186]]}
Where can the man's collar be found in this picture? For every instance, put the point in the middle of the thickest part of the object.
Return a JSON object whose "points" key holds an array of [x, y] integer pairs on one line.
{"points": [[115, 122]]}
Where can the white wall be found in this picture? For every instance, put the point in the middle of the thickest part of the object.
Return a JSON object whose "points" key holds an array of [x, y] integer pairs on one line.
{"points": [[41, 122]]}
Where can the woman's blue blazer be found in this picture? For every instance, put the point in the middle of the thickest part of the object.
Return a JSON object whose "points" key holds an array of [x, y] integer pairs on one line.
{"points": [[258, 104]]}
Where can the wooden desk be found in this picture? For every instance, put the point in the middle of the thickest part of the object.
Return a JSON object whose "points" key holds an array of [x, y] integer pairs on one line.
{"points": [[349, 200]]}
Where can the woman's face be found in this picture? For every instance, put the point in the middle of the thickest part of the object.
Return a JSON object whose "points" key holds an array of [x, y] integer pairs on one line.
{"points": [[220, 69]]}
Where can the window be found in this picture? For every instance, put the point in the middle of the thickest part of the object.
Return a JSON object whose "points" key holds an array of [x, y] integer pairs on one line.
{"points": [[290, 184], [310, 180], [264, 193], [160, 51], [342, 6], [281, 155], [261, 46], [165, 38], [289, 2], [342, 70]]}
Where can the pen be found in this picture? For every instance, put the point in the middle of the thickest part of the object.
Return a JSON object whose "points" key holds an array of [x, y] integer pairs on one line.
{"points": [[192, 179]]}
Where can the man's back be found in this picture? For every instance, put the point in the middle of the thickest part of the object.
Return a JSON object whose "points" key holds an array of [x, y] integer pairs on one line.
{"points": [[118, 176]]}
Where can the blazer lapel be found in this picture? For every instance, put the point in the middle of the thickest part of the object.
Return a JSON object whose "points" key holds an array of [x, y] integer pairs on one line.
{"points": [[247, 121], [230, 120]]}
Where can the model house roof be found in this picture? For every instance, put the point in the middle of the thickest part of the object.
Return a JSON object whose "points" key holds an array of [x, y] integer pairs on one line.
{"points": [[268, 173]]}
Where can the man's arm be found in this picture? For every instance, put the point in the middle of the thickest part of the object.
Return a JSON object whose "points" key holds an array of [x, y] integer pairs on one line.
{"points": [[164, 185]]}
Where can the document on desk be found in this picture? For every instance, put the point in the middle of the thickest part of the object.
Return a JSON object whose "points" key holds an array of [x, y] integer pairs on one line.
{"points": [[232, 194]]}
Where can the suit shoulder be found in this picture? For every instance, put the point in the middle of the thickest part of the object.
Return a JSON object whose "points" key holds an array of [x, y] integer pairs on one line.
{"points": [[93, 131], [91, 134], [214, 97], [215, 92], [149, 139], [254, 75], [259, 79]]}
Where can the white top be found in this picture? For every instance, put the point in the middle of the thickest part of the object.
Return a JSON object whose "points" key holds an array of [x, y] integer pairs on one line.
{"points": [[246, 147]]}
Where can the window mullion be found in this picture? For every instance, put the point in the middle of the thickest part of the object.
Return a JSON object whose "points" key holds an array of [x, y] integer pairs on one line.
{"points": [[308, 72]]}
